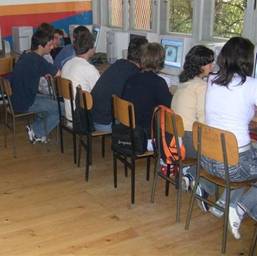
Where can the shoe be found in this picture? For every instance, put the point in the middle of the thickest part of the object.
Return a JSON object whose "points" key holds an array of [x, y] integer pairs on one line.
{"points": [[187, 182], [31, 133], [40, 139], [202, 193], [234, 220], [216, 212]]}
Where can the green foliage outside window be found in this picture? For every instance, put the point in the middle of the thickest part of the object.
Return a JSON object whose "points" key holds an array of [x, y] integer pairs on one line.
{"points": [[229, 17], [180, 16]]}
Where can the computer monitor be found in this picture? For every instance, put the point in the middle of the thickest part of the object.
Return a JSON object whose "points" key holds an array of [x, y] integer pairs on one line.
{"points": [[216, 47], [99, 33], [117, 43], [255, 66], [151, 37], [175, 50], [21, 37]]}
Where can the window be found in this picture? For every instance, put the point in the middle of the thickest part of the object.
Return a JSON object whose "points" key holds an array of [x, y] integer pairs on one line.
{"points": [[229, 17], [142, 14], [180, 14], [115, 13]]}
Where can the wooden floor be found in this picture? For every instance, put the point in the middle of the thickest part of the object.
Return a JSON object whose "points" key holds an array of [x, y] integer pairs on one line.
{"points": [[46, 208]]}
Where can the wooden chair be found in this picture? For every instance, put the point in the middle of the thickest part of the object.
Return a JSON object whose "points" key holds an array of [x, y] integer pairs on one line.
{"points": [[221, 146], [64, 91], [175, 127], [6, 65], [10, 116], [51, 86], [123, 112], [85, 140]]}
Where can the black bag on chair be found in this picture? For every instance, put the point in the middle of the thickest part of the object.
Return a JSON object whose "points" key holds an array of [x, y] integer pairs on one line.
{"points": [[121, 140], [83, 121]]}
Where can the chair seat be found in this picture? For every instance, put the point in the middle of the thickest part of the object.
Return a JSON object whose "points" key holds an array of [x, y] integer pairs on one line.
{"points": [[100, 133], [189, 161], [147, 153], [221, 182]]}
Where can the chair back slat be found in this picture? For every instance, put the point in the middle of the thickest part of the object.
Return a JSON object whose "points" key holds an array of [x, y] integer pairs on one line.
{"points": [[86, 100], [122, 109], [172, 120], [6, 87], [64, 87], [211, 143], [6, 65]]}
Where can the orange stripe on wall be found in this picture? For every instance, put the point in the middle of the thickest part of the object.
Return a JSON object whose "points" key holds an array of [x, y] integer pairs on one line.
{"points": [[45, 8]]}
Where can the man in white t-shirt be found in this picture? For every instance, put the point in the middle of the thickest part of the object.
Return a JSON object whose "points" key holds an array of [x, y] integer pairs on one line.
{"points": [[78, 69]]}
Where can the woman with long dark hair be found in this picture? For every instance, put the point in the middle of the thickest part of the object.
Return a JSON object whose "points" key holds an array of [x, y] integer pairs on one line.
{"points": [[231, 99]]}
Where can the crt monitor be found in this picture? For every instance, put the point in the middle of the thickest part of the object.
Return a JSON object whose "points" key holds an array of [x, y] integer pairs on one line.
{"points": [[133, 36], [99, 33], [96, 33], [173, 52], [255, 66]]}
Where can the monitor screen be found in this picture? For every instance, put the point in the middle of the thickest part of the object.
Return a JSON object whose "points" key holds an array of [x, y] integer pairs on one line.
{"points": [[173, 52], [96, 32], [255, 67], [133, 36]]}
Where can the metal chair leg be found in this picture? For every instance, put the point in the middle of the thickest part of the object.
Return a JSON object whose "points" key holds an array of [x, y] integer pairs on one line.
{"points": [[167, 183], [74, 148], [191, 204], [114, 169], [103, 146], [155, 178], [225, 222], [133, 181], [148, 163], [253, 244], [87, 158]]}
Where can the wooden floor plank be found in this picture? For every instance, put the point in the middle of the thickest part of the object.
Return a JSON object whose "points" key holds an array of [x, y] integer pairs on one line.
{"points": [[46, 208]]}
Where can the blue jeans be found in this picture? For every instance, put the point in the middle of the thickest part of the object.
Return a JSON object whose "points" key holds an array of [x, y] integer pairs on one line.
{"points": [[245, 170], [249, 201], [103, 127], [47, 111]]}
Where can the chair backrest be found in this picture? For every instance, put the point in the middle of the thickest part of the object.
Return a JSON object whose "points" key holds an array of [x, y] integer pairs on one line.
{"points": [[86, 100], [64, 88], [6, 65], [7, 93], [51, 86], [64, 91], [216, 144], [123, 111], [167, 131]]}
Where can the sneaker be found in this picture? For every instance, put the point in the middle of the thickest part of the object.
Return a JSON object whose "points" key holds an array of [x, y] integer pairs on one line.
{"points": [[40, 139], [202, 193], [31, 133], [234, 220], [187, 182], [216, 212]]}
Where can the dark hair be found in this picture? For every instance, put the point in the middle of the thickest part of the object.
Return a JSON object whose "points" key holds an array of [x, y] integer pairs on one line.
{"points": [[197, 57], [79, 30], [59, 32], [47, 28], [153, 55], [83, 43], [40, 37], [135, 49], [236, 57]]}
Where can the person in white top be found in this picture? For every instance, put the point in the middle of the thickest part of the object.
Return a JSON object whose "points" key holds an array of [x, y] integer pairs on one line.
{"points": [[231, 99], [78, 69]]}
